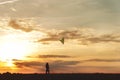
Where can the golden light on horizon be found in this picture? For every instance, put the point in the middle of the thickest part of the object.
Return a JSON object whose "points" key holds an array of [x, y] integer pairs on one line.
{"points": [[10, 64]]}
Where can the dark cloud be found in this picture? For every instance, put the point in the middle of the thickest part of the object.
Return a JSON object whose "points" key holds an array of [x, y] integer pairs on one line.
{"points": [[75, 34], [104, 38], [53, 56], [48, 39], [56, 63], [50, 56], [16, 60], [102, 60], [81, 36], [15, 25], [31, 64]]}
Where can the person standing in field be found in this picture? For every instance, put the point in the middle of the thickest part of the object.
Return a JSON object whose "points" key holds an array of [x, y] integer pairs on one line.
{"points": [[47, 68]]}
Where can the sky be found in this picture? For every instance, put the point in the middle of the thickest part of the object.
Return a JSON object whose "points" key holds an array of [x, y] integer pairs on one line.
{"points": [[30, 31]]}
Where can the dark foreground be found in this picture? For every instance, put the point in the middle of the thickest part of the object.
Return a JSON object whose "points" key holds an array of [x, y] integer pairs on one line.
{"points": [[8, 76]]}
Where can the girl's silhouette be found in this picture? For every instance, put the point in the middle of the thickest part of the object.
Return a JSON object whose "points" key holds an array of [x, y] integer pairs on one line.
{"points": [[47, 68]]}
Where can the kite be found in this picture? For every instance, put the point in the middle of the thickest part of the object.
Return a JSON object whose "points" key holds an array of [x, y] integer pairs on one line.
{"points": [[62, 40]]}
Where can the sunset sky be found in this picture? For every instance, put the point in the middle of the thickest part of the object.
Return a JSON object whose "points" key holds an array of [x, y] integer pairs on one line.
{"points": [[30, 31]]}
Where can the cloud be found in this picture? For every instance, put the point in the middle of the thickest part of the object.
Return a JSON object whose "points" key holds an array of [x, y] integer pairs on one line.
{"points": [[15, 25], [83, 36], [50, 56], [16, 60], [38, 63], [104, 38], [6, 2], [48, 39], [103, 60], [73, 34], [30, 64]]}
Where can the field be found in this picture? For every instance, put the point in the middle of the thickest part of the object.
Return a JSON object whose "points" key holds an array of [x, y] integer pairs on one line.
{"points": [[8, 76]]}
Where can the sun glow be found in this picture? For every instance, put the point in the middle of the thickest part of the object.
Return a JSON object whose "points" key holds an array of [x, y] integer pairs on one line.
{"points": [[16, 49], [10, 63]]}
